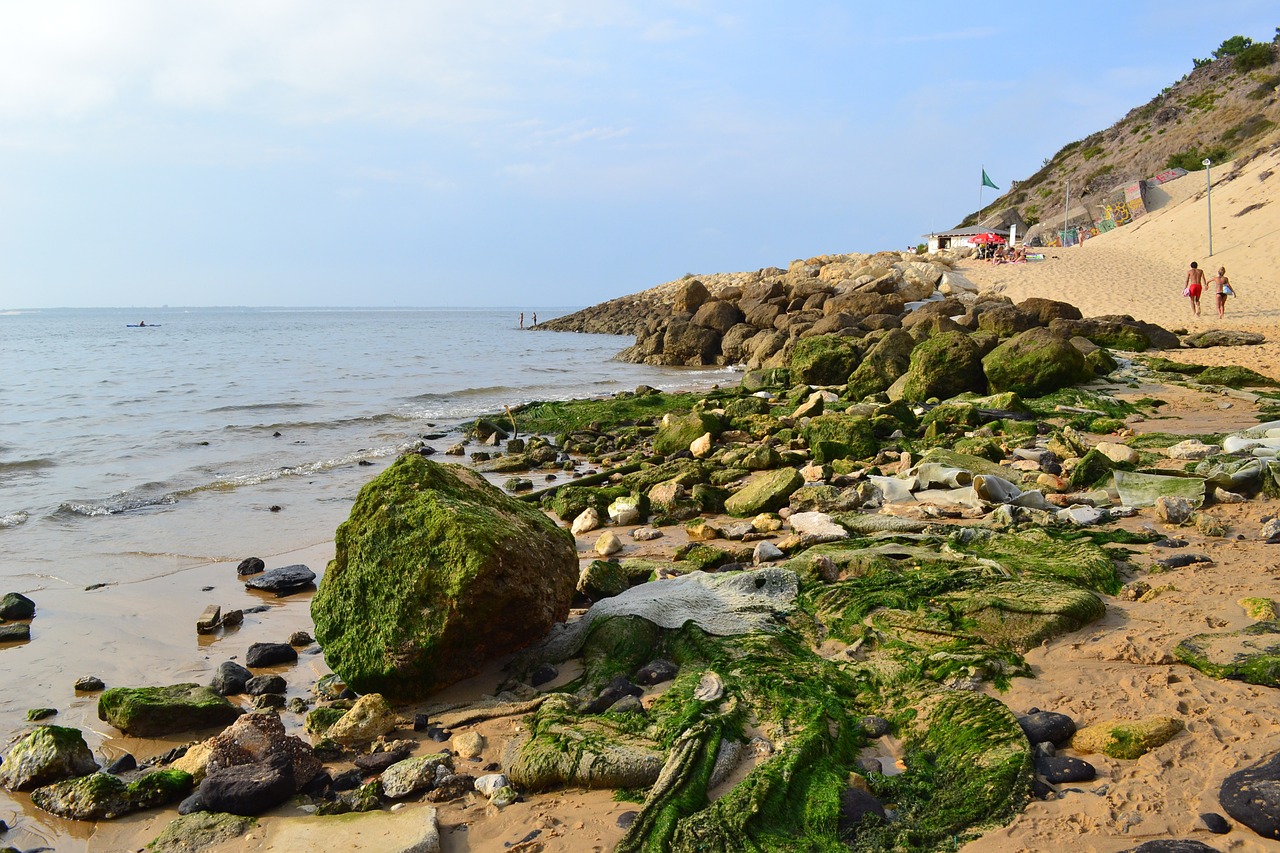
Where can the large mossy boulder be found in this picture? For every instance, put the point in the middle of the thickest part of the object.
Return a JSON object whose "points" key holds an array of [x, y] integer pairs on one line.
{"points": [[824, 360], [840, 436], [678, 431], [882, 365], [152, 711], [435, 573], [45, 755], [1034, 363], [769, 491], [101, 796], [944, 366]]}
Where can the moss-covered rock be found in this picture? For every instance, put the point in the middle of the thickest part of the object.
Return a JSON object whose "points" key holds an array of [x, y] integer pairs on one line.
{"points": [[760, 380], [1129, 739], [944, 366], [744, 406], [1034, 363], [882, 365], [1234, 376], [840, 436], [434, 573], [1091, 469], [1021, 614], [603, 579], [1251, 654], [678, 431], [320, 720], [45, 755], [100, 796], [151, 711], [196, 831], [568, 501], [824, 360], [768, 491]]}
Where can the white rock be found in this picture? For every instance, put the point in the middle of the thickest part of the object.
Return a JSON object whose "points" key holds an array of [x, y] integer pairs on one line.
{"points": [[624, 510], [1117, 452], [813, 473], [468, 744], [710, 687], [816, 527], [586, 521], [1192, 448], [1083, 516], [646, 534], [766, 552], [491, 782], [608, 544], [700, 447], [1223, 496]]}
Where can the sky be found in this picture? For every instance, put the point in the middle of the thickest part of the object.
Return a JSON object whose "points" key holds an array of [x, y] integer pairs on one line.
{"points": [[538, 153]]}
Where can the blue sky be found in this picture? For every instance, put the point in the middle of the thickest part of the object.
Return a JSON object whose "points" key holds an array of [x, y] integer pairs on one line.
{"points": [[549, 153]]}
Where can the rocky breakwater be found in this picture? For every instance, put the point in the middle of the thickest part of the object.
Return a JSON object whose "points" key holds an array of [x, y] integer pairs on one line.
{"points": [[758, 319]]}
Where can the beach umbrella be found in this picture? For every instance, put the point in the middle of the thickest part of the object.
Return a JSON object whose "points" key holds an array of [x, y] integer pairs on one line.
{"points": [[987, 238]]}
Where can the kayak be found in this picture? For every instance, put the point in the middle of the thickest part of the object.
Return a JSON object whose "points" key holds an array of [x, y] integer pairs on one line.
{"points": [[140, 326]]}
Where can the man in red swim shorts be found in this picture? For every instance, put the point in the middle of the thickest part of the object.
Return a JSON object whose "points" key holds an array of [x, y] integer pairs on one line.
{"points": [[1195, 286]]}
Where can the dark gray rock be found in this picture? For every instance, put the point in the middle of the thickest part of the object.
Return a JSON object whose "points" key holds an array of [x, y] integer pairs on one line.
{"points": [[250, 566], [244, 789], [230, 678], [855, 805], [1064, 768], [15, 605], [616, 689], [19, 632], [285, 579], [270, 654], [376, 762], [874, 726], [1215, 823], [544, 673], [90, 684], [1252, 796], [1047, 725], [261, 684], [1171, 845], [656, 672]]}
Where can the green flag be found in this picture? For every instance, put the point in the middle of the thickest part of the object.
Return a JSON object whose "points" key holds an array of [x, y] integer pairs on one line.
{"points": [[986, 182]]}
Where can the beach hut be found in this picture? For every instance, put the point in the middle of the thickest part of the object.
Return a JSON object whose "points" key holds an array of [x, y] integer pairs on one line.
{"points": [[960, 238]]}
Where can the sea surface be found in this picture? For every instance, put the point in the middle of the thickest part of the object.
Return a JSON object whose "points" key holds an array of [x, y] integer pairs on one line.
{"points": [[214, 434]]}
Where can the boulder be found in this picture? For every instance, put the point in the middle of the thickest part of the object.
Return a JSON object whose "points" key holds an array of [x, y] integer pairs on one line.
{"points": [[270, 654], [1252, 796], [1127, 739], [1222, 338], [369, 718], [198, 831], [101, 796], [435, 573], [1006, 321], [282, 580], [261, 739], [45, 755], [944, 366], [16, 633], [1034, 363], [1045, 311], [152, 711], [840, 436], [602, 579], [687, 344], [15, 605], [768, 491], [230, 678], [245, 789], [690, 296], [718, 315], [1048, 726], [677, 432], [824, 360], [885, 362], [414, 774]]}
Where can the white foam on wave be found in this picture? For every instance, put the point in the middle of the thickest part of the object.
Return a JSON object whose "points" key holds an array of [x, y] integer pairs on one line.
{"points": [[13, 519]]}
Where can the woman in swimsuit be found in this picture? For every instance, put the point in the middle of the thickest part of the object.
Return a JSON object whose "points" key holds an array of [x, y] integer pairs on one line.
{"points": [[1221, 284], [1195, 286]]}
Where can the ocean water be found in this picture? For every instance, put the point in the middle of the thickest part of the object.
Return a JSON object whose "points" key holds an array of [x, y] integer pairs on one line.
{"points": [[131, 453]]}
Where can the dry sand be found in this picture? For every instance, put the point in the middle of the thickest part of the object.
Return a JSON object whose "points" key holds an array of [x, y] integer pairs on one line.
{"points": [[1117, 668]]}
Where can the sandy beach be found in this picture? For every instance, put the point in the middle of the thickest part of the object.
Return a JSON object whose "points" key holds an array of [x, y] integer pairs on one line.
{"points": [[1119, 667]]}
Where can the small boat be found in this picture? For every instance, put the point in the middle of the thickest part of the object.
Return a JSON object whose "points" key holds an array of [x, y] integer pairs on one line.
{"points": [[142, 325]]}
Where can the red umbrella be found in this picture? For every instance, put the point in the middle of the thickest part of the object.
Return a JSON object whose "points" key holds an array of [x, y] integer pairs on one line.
{"points": [[988, 238]]}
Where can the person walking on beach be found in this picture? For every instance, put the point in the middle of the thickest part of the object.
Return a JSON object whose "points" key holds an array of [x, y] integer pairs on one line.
{"points": [[1195, 286], [1222, 289]]}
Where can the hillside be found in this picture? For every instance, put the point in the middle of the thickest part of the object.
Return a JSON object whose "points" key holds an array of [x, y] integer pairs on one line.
{"points": [[1223, 109]]}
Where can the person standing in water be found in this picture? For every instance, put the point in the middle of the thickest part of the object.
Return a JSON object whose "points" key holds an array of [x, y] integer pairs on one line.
{"points": [[522, 319], [535, 320], [1222, 289], [1195, 286]]}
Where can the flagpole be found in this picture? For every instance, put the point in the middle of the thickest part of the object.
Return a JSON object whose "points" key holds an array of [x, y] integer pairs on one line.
{"points": [[980, 186]]}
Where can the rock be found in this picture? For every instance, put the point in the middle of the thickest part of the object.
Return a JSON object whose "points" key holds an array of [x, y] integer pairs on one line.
{"points": [[1172, 846], [124, 764], [625, 510], [414, 774], [490, 783], [811, 407], [37, 714], [101, 796], [1251, 654], [1252, 796], [874, 726], [1222, 338], [823, 360], [1210, 525], [300, 638], [766, 552], [543, 674], [261, 739], [608, 544], [193, 832], [1117, 452], [1141, 490], [45, 755], [1128, 739], [1063, 768], [701, 446], [1034, 363], [710, 688], [230, 678], [1192, 448], [209, 620], [840, 436], [270, 654], [15, 605], [883, 364], [428, 840], [152, 711], [472, 573], [855, 805], [468, 744], [250, 566], [646, 534], [17, 633], [586, 521], [944, 366], [282, 580], [1048, 726], [689, 297], [1173, 509], [767, 491], [89, 684], [656, 672], [244, 789], [451, 787], [677, 432], [815, 528], [369, 718], [376, 762], [602, 579], [503, 797], [1215, 823]]}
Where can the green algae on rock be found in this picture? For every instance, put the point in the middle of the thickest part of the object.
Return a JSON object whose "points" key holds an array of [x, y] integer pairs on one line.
{"points": [[44, 755], [101, 796], [1251, 654], [434, 573], [944, 366], [196, 831], [840, 436], [1127, 739], [768, 491], [1034, 363], [824, 360], [150, 711]]}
